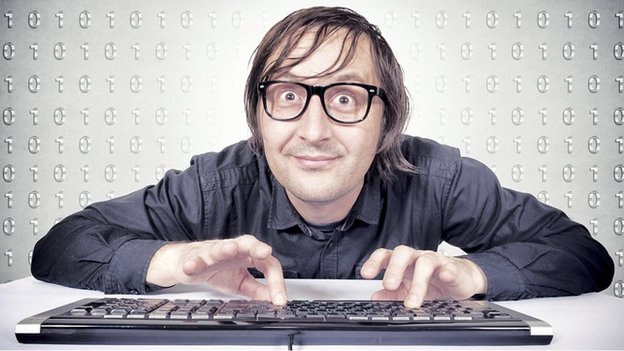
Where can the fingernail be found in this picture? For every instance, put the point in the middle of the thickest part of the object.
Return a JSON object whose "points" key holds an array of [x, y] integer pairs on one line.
{"points": [[411, 303], [279, 299]]}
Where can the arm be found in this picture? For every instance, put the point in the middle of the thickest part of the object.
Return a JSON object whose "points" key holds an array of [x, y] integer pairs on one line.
{"points": [[108, 245], [150, 238], [518, 248], [525, 248]]}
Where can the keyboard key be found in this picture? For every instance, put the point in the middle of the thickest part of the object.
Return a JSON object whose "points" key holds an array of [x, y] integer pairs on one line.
{"points": [[79, 311], [358, 317], [179, 315]]}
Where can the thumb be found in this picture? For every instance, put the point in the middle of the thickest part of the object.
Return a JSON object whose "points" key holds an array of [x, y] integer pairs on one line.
{"points": [[193, 265]]}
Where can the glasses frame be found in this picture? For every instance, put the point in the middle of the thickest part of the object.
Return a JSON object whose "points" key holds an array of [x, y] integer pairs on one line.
{"points": [[320, 90]]}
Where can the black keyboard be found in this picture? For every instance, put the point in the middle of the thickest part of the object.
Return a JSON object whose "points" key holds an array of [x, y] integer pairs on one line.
{"points": [[243, 322]]}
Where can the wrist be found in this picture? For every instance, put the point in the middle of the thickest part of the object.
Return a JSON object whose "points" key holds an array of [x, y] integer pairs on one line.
{"points": [[478, 277], [160, 270]]}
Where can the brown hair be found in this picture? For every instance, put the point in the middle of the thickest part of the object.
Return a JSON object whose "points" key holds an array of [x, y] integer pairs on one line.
{"points": [[284, 36]]}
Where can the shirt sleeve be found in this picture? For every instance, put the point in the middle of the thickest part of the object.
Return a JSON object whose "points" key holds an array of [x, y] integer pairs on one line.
{"points": [[525, 248], [108, 246]]}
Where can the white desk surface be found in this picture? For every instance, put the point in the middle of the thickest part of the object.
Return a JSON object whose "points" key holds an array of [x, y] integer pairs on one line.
{"points": [[591, 321]]}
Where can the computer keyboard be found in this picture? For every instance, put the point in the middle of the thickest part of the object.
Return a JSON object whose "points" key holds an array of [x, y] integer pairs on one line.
{"points": [[161, 321]]}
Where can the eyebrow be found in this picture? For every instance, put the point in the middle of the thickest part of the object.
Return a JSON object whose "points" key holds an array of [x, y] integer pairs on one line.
{"points": [[342, 77]]}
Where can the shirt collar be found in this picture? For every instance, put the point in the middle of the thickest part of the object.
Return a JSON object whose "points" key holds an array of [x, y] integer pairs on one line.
{"points": [[367, 207]]}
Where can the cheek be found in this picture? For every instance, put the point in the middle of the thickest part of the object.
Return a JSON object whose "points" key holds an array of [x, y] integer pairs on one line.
{"points": [[372, 145], [373, 130], [362, 146], [274, 134]]}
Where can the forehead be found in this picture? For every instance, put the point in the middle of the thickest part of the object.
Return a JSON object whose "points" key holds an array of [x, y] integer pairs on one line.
{"points": [[339, 56]]}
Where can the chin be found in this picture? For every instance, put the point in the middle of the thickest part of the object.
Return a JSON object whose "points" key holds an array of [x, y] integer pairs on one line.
{"points": [[313, 197], [317, 194]]}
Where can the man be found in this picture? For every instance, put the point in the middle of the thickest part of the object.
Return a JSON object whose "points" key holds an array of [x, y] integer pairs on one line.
{"points": [[327, 187]]}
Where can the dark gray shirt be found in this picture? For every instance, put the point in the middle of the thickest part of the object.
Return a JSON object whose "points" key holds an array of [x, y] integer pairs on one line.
{"points": [[525, 248]]}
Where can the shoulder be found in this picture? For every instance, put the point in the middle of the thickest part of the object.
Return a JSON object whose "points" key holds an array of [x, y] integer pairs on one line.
{"points": [[417, 147], [235, 164], [234, 155], [430, 157]]}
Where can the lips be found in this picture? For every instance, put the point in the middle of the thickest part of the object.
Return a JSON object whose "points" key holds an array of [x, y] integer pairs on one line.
{"points": [[315, 161]]}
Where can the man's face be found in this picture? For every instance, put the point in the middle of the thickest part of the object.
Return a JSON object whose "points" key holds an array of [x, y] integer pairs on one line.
{"points": [[317, 160]]}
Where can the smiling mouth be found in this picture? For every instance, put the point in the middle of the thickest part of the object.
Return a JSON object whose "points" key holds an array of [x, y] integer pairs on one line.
{"points": [[315, 162]]}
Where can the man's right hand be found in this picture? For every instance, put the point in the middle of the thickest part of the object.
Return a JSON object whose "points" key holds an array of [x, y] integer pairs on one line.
{"points": [[222, 264]]}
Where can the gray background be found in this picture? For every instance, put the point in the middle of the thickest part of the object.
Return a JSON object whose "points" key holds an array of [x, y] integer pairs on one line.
{"points": [[99, 98]]}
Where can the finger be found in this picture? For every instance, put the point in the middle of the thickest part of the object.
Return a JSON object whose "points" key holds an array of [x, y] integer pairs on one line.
{"points": [[220, 251], [402, 257], [250, 246], [394, 295], [205, 255], [253, 289], [424, 267], [241, 249], [274, 276], [448, 274], [377, 261], [457, 279], [260, 257]]}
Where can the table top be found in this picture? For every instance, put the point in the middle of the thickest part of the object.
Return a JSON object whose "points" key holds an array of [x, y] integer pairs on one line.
{"points": [[590, 321]]}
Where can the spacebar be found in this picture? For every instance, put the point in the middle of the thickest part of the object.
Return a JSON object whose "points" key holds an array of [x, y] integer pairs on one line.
{"points": [[291, 319]]}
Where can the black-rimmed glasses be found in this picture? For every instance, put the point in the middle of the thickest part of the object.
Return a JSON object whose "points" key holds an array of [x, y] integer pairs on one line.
{"points": [[343, 102]]}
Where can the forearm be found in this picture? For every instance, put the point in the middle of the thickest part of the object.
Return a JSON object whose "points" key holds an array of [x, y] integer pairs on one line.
{"points": [[526, 248], [108, 246], [83, 253], [564, 264]]}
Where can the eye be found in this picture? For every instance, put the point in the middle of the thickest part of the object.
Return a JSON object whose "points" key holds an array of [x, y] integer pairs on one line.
{"points": [[289, 96], [344, 99]]}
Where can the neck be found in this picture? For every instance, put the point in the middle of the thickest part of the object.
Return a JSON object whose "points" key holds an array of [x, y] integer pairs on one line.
{"points": [[325, 212]]}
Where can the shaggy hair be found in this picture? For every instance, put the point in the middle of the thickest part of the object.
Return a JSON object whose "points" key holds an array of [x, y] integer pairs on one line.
{"points": [[282, 39]]}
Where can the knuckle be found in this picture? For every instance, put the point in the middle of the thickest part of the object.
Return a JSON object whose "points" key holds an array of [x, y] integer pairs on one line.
{"points": [[431, 258], [428, 256], [379, 254], [245, 238], [247, 241], [404, 250]]}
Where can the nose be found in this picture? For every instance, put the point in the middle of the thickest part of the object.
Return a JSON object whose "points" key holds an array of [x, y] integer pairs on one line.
{"points": [[314, 125]]}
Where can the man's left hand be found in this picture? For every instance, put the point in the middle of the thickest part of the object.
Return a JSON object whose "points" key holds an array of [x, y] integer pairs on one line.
{"points": [[417, 275]]}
